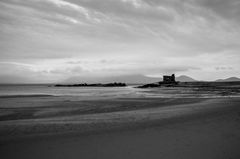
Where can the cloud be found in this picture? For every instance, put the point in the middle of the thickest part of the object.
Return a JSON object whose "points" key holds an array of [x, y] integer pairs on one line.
{"points": [[226, 9], [63, 4], [125, 36]]}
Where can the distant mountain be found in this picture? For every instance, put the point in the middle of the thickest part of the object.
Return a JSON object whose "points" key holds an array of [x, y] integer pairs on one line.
{"points": [[184, 78], [130, 79], [230, 79], [134, 79]]}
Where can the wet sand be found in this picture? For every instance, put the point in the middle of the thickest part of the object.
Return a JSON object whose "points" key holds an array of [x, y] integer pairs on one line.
{"points": [[125, 128]]}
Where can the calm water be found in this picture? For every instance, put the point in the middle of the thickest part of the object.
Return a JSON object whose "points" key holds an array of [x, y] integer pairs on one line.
{"points": [[85, 92], [108, 92]]}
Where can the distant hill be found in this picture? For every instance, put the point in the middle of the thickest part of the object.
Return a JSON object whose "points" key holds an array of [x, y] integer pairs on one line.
{"points": [[230, 79], [129, 79], [184, 78], [133, 79]]}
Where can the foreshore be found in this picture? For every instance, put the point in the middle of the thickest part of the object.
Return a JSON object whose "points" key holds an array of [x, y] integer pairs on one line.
{"points": [[123, 128]]}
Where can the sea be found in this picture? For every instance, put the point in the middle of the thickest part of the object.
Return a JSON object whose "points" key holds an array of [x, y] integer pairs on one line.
{"points": [[130, 91]]}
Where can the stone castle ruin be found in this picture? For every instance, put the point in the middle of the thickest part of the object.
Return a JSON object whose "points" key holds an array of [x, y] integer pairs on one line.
{"points": [[169, 79]]}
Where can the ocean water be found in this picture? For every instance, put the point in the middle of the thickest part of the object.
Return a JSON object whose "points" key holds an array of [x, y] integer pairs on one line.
{"points": [[50, 90], [112, 92]]}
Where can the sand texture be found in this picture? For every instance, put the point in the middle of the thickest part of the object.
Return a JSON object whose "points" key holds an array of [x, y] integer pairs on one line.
{"points": [[120, 128]]}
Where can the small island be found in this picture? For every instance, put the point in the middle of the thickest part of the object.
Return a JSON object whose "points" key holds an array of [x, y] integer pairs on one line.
{"points": [[168, 81], [115, 84]]}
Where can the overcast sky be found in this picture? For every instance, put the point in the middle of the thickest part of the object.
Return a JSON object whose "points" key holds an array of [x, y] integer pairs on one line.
{"points": [[52, 40]]}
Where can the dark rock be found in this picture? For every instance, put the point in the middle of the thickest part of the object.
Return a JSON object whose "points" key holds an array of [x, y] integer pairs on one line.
{"points": [[92, 85]]}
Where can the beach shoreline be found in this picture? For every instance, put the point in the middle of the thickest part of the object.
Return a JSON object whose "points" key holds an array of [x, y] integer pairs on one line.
{"points": [[213, 123], [68, 117]]}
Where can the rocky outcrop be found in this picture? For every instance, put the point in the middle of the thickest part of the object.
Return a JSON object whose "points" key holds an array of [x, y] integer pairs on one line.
{"points": [[92, 85]]}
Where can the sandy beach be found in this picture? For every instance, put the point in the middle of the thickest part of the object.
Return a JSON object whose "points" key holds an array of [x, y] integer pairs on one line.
{"points": [[120, 128]]}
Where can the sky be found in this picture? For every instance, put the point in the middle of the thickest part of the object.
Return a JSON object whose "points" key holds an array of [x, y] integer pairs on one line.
{"points": [[53, 40]]}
